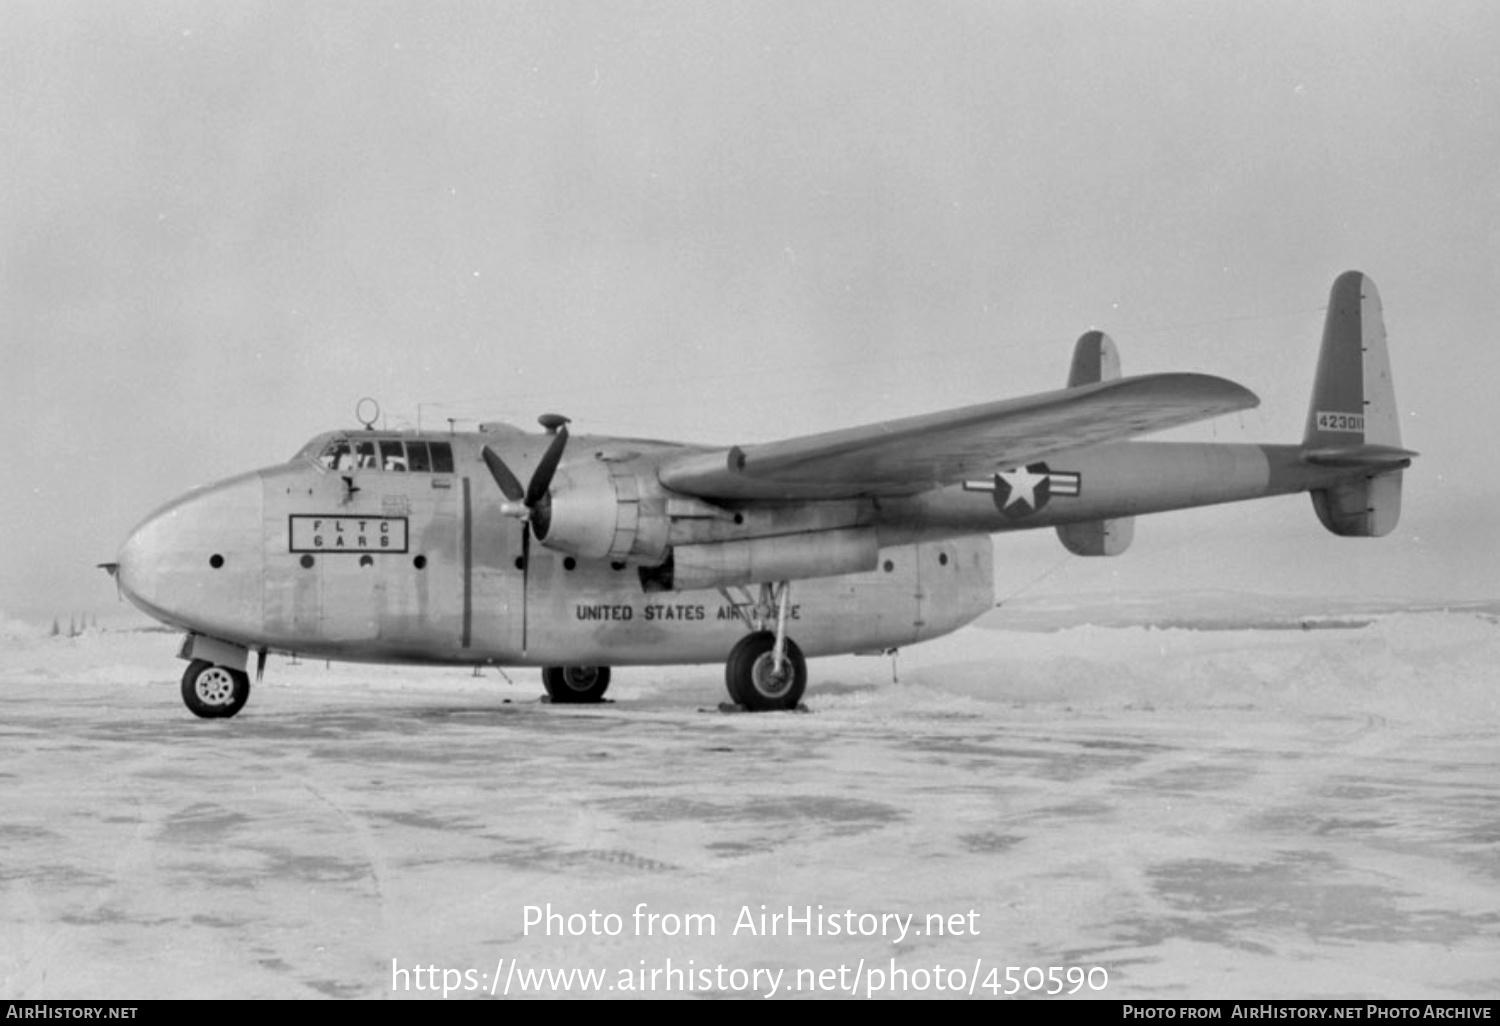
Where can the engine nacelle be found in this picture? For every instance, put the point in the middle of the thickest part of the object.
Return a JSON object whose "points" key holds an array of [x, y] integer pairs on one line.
{"points": [[613, 508], [601, 509], [784, 557]]}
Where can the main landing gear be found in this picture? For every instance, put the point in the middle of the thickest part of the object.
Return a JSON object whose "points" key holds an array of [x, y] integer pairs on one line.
{"points": [[765, 670], [214, 692], [573, 684]]}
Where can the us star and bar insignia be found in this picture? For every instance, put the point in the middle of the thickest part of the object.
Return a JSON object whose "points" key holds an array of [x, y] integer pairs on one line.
{"points": [[1026, 490]]}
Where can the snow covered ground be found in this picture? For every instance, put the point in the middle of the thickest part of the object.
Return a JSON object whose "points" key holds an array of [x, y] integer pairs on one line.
{"points": [[1293, 802]]}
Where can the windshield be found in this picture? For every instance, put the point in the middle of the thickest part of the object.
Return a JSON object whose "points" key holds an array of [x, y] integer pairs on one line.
{"points": [[338, 450]]}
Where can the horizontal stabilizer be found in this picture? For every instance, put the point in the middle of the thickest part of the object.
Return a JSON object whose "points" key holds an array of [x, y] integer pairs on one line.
{"points": [[1375, 457]]}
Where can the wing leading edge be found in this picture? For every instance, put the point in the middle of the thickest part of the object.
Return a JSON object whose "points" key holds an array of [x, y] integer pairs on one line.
{"points": [[914, 454]]}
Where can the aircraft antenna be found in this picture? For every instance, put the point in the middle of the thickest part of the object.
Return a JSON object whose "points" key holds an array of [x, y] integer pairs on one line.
{"points": [[367, 415]]}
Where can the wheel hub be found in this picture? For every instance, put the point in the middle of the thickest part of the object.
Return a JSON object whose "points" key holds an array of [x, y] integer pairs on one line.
{"points": [[215, 686], [580, 678], [768, 680]]}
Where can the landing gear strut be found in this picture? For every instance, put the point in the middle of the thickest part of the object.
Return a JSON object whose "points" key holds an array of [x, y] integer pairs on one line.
{"points": [[573, 684], [766, 670], [214, 692]]}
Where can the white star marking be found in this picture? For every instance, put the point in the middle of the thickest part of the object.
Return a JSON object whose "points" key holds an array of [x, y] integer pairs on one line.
{"points": [[1022, 486]]}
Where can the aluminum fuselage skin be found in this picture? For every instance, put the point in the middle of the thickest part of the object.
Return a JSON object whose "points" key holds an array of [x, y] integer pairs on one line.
{"points": [[370, 565]]}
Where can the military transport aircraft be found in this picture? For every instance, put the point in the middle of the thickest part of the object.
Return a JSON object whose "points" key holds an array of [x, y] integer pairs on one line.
{"points": [[424, 547]]}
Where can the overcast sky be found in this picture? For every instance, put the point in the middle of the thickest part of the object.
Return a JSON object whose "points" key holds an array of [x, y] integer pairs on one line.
{"points": [[224, 223]]}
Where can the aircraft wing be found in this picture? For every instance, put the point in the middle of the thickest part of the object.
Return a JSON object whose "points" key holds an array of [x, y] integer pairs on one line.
{"points": [[914, 454]]}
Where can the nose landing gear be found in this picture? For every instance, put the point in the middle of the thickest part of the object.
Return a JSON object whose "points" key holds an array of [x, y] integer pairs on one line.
{"points": [[214, 692]]}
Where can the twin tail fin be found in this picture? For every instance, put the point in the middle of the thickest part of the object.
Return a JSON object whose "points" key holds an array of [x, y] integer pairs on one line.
{"points": [[1352, 420]]}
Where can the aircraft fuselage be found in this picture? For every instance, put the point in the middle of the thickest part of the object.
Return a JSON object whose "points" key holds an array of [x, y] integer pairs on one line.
{"points": [[383, 566], [576, 554], [370, 564]]}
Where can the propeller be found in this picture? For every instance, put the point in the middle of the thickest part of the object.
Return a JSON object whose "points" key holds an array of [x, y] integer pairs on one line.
{"points": [[533, 504]]}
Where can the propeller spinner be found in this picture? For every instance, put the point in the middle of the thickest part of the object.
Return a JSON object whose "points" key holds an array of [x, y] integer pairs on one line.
{"points": [[533, 504]]}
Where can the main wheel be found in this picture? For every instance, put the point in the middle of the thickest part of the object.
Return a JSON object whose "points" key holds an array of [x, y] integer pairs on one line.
{"points": [[752, 677], [571, 684], [214, 692]]}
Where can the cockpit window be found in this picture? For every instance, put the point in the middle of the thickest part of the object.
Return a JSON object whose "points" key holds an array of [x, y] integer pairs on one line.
{"points": [[336, 455], [341, 452], [417, 459], [392, 455]]}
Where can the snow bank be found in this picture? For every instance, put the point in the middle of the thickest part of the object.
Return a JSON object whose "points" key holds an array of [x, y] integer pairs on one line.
{"points": [[1416, 667]]}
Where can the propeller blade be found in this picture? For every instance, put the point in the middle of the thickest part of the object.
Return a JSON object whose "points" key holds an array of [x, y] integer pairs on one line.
{"points": [[525, 580], [509, 486], [542, 479], [533, 505]]}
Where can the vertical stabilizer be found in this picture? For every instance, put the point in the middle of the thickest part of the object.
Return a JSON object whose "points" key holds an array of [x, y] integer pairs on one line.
{"points": [[1353, 401], [1352, 419], [1096, 359]]}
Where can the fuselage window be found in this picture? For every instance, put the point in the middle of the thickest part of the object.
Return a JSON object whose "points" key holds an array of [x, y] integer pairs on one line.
{"points": [[417, 460], [442, 457], [392, 455]]}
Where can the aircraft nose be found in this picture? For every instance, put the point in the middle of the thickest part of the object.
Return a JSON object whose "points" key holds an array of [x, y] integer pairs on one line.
{"points": [[196, 562]]}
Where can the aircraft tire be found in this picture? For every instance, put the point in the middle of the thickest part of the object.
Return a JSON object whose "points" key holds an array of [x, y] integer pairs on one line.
{"points": [[751, 681], [214, 692], [570, 685]]}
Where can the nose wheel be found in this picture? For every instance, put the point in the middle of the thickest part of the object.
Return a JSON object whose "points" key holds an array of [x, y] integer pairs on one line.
{"points": [[214, 692]]}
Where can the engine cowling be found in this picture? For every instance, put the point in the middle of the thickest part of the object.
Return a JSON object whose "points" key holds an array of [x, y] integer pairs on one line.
{"points": [[612, 508], [602, 509]]}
